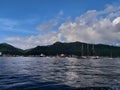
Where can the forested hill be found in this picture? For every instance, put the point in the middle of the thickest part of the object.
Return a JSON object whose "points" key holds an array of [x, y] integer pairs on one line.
{"points": [[74, 48], [8, 49]]}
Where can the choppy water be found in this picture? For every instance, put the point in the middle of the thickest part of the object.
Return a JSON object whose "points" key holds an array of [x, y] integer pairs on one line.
{"points": [[44, 73]]}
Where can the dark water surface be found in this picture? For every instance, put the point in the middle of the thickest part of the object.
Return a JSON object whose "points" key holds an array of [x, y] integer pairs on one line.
{"points": [[45, 73]]}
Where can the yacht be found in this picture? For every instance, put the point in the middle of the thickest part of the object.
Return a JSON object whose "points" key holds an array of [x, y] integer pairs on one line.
{"points": [[88, 56]]}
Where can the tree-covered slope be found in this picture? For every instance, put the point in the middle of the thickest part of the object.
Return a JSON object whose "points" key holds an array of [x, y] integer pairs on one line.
{"points": [[75, 48], [9, 49]]}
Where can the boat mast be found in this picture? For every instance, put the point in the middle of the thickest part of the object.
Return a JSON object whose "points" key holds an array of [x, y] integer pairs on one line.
{"points": [[87, 50], [93, 50], [82, 48]]}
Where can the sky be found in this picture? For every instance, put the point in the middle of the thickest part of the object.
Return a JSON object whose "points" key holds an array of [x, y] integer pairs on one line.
{"points": [[29, 23]]}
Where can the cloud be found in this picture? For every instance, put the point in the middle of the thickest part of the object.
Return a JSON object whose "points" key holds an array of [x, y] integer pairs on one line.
{"points": [[47, 26], [94, 27], [32, 41], [91, 27], [51, 23], [46, 35], [116, 21]]}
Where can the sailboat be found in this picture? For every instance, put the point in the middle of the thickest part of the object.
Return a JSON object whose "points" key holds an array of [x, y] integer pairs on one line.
{"points": [[93, 56], [111, 57], [82, 52], [94, 53]]}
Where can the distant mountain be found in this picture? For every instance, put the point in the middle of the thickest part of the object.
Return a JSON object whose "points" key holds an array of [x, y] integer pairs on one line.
{"points": [[9, 49], [74, 48]]}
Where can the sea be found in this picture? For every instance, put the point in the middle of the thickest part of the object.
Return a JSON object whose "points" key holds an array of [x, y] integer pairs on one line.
{"points": [[55, 73]]}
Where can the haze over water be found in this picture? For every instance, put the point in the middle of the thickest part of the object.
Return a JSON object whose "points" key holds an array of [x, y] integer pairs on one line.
{"points": [[50, 72]]}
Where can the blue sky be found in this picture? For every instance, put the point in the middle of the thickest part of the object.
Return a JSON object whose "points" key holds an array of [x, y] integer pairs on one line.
{"points": [[28, 23]]}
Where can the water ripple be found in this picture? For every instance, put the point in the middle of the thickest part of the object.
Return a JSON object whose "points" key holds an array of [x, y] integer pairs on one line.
{"points": [[66, 73]]}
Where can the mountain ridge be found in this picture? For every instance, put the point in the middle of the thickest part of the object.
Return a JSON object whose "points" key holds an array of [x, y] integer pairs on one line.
{"points": [[6, 48], [72, 48]]}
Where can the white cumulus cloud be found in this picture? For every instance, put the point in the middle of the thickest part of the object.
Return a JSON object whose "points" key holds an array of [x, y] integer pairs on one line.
{"points": [[94, 27], [116, 21], [91, 27], [33, 41], [47, 26]]}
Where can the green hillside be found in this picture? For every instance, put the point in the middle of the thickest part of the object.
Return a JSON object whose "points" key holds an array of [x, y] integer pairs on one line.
{"points": [[10, 50], [75, 48]]}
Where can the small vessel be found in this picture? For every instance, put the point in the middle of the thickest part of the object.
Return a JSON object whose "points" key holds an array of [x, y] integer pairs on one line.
{"points": [[0, 53], [82, 53], [62, 55], [94, 56], [83, 57], [88, 56], [42, 55]]}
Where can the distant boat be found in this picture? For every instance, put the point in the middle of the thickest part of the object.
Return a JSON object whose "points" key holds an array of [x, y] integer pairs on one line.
{"points": [[62, 55], [42, 55], [111, 57], [94, 56], [88, 56], [0, 53], [82, 52], [84, 57]]}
